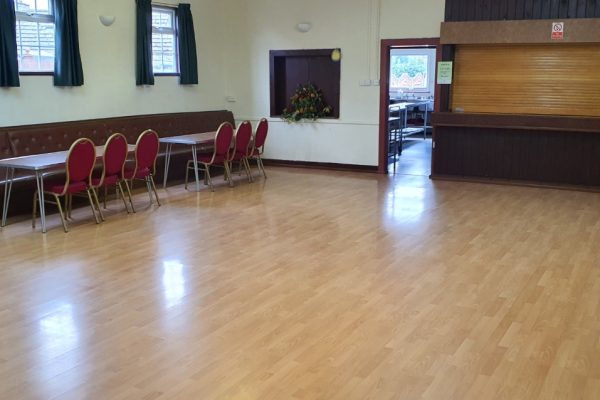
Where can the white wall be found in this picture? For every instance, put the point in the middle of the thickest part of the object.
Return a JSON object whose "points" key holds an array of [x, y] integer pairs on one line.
{"points": [[108, 58], [234, 38], [355, 26]]}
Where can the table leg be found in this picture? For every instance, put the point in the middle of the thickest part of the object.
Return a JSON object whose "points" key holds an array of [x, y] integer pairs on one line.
{"points": [[167, 161], [425, 123], [10, 174], [195, 159], [39, 178]]}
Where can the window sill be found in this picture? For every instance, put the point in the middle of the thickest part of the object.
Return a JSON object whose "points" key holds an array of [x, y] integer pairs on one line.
{"points": [[168, 74], [25, 73]]}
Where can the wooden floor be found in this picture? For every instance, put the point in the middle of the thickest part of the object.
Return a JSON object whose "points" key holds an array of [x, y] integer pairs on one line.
{"points": [[309, 285]]}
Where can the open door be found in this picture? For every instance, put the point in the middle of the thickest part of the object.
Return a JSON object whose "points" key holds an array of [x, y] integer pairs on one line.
{"points": [[408, 95]]}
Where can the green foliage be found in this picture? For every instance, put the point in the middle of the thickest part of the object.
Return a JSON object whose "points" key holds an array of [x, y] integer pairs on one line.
{"points": [[410, 65], [306, 103]]}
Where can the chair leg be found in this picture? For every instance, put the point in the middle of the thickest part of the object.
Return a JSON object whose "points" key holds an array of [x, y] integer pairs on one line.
{"points": [[60, 211], [246, 168], [92, 206], [129, 195], [68, 206], [262, 166], [154, 189], [207, 178], [149, 189], [120, 188], [228, 176], [34, 216], [98, 202]]}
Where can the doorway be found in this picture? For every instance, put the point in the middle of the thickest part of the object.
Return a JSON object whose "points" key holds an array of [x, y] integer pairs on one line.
{"points": [[408, 96]]}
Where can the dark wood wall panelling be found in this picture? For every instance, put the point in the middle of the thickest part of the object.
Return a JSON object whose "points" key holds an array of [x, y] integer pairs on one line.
{"points": [[498, 10], [549, 157]]}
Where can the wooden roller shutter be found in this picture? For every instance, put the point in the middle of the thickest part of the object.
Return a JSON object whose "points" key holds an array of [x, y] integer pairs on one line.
{"points": [[549, 79]]}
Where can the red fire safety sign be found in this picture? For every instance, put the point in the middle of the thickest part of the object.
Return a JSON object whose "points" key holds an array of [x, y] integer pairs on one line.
{"points": [[558, 30]]}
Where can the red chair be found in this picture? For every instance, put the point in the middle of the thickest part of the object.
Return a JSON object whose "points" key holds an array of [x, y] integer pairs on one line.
{"points": [[113, 163], [146, 151], [219, 157], [258, 147], [241, 150], [79, 165]]}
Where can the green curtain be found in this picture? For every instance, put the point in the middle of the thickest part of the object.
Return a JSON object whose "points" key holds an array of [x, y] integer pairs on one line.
{"points": [[67, 62], [143, 68], [9, 66], [188, 63]]}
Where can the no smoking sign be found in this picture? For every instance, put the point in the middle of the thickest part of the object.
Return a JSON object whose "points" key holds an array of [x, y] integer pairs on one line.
{"points": [[558, 31]]}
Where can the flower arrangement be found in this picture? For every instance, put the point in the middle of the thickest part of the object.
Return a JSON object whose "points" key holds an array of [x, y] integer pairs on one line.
{"points": [[306, 103]]}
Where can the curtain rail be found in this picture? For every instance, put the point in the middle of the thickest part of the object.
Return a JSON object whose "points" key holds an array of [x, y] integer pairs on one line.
{"points": [[155, 3]]}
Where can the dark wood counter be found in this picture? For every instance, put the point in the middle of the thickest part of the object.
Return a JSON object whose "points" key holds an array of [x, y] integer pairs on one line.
{"points": [[552, 150]]}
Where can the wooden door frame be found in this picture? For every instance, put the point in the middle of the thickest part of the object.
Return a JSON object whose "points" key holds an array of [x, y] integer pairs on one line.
{"points": [[384, 78]]}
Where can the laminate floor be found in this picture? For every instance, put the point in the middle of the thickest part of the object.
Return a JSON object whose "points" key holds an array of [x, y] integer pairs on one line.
{"points": [[415, 158], [309, 285]]}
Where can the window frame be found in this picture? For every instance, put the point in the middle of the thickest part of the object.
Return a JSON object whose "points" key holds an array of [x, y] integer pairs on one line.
{"points": [[431, 70], [37, 18], [175, 33]]}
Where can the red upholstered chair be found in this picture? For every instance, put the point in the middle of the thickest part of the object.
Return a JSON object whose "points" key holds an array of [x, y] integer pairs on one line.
{"points": [[79, 165], [146, 150], [113, 163], [258, 147], [220, 156], [241, 150]]}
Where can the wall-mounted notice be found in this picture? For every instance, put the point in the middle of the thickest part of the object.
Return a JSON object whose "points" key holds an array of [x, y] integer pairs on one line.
{"points": [[444, 73], [558, 31]]}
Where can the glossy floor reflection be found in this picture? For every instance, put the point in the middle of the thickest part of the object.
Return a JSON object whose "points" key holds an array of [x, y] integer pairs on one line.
{"points": [[309, 285], [415, 158]]}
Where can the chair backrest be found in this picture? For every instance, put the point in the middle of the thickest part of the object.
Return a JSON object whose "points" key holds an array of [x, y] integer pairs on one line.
{"points": [[146, 150], [243, 137], [80, 161], [115, 154], [261, 134], [223, 140]]}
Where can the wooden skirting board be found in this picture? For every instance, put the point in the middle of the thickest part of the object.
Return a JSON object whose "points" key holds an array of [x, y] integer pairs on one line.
{"points": [[322, 165]]}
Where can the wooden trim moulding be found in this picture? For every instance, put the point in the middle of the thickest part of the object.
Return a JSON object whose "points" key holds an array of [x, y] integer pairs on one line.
{"points": [[576, 30], [516, 121], [322, 165]]}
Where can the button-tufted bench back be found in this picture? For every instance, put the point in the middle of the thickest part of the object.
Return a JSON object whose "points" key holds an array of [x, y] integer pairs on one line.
{"points": [[44, 138], [48, 139], [5, 149]]}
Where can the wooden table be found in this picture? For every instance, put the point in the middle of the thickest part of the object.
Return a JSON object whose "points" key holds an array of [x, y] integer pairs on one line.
{"points": [[194, 140], [39, 163]]}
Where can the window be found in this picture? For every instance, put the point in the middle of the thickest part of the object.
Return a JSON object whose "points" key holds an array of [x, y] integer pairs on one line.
{"points": [[412, 70], [164, 41], [35, 35]]}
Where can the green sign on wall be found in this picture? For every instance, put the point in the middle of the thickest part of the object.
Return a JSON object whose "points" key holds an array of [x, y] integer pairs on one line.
{"points": [[444, 72]]}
